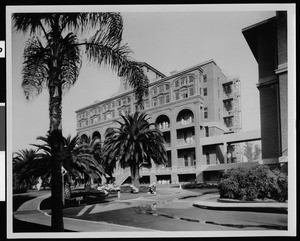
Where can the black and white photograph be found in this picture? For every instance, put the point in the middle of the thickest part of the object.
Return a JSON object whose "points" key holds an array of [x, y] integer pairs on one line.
{"points": [[150, 121]]}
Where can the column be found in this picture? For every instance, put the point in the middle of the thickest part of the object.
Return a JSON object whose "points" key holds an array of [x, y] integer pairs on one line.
{"points": [[199, 149], [225, 152]]}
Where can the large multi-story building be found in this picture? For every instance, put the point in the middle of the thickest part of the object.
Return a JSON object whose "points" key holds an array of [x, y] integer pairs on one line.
{"points": [[268, 43], [188, 106]]}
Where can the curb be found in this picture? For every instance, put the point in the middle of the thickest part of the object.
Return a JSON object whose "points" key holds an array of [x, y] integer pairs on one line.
{"points": [[267, 209]]}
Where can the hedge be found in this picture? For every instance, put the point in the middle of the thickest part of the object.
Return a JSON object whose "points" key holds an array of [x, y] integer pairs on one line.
{"points": [[258, 182]]}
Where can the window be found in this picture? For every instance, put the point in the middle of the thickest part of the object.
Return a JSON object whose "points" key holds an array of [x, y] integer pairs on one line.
{"points": [[204, 78], [177, 83], [205, 91], [177, 95], [206, 131], [119, 102], [161, 100], [191, 79], [161, 88], [191, 91], [200, 91], [124, 101], [186, 160], [146, 104], [207, 159], [205, 113], [184, 94], [167, 98], [183, 80], [125, 85], [154, 102], [154, 90], [128, 100], [167, 87], [112, 104]]}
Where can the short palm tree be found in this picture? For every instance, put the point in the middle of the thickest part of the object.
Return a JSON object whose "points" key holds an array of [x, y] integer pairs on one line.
{"points": [[52, 60], [134, 144], [24, 163], [78, 159]]}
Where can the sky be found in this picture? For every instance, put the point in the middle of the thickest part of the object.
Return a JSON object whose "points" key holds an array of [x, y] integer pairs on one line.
{"points": [[166, 40]]}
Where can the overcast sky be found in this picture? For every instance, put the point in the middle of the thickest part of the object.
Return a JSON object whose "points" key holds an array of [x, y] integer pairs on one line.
{"points": [[166, 40]]}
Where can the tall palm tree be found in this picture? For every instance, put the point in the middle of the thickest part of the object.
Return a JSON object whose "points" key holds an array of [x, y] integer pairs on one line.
{"points": [[52, 60], [134, 144]]}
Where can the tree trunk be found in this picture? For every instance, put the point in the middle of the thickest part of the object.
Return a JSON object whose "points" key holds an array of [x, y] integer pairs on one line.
{"points": [[56, 143], [135, 176]]}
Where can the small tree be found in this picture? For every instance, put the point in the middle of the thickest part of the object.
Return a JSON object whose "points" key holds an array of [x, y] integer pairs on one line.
{"points": [[257, 152], [248, 151]]}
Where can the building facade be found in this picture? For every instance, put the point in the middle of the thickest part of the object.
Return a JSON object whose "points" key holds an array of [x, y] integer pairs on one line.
{"points": [[268, 43], [188, 106]]}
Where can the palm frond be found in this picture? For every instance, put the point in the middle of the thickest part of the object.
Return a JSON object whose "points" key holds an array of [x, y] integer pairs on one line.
{"points": [[35, 67], [32, 22]]}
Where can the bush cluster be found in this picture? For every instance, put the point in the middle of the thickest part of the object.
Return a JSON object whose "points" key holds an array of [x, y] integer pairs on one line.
{"points": [[258, 182], [199, 185]]}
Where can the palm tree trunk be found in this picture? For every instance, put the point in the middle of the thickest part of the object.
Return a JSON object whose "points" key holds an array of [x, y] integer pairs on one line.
{"points": [[135, 176], [56, 143]]}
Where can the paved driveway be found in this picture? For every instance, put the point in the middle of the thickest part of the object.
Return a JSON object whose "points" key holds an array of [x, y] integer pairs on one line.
{"points": [[175, 214]]}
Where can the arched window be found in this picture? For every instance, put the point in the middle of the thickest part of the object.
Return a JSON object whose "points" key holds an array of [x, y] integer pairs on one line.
{"points": [[95, 135], [163, 122], [185, 117], [84, 138]]}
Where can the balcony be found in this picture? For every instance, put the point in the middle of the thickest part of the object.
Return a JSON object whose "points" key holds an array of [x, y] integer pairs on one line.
{"points": [[167, 145], [163, 169], [227, 96], [229, 113], [228, 82], [186, 142], [185, 169], [164, 128], [185, 123]]}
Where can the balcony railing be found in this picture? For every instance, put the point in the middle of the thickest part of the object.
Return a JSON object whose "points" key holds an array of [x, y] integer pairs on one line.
{"points": [[165, 126], [184, 122], [167, 144], [228, 113], [187, 141], [169, 169], [228, 95]]}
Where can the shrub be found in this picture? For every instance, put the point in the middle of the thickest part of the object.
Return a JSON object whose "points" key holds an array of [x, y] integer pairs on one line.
{"points": [[251, 183]]}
